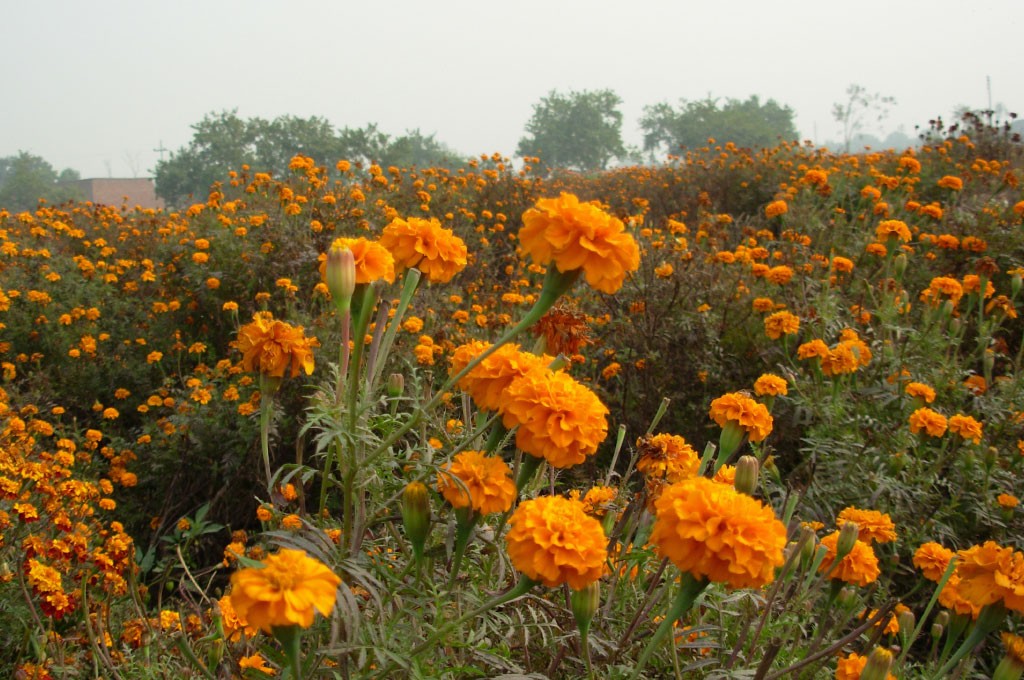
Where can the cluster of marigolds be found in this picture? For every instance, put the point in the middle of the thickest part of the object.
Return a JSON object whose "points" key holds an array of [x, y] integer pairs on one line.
{"points": [[703, 514]]}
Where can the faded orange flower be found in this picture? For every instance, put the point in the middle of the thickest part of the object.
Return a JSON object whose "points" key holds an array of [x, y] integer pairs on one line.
{"points": [[558, 418], [426, 245], [712, 531], [486, 479], [275, 348], [287, 591], [552, 540], [580, 236]]}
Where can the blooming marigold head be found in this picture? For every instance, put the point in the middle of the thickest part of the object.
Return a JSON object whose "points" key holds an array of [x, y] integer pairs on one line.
{"points": [[559, 419], [425, 244], [874, 526], [896, 229], [712, 531], [859, 567], [487, 382], [273, 347], [552, 540], [580, 236], [916, 390], [771, 385], [989, 573], [473, 479], [775, 209], [932, 559], [934, 424], [965, 426], [752, 416], [781, 323], [373, 261], [288, 591], [666, 456]]}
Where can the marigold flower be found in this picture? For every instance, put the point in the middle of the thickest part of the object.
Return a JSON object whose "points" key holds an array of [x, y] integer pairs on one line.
{"points": [[852, 666], [965, 426], [712, 531], [255, 662], [486, 479], [1014, 649], [559, 419], [1007, 501], [976, 384], [842, 265], [552, 540], [989, 573], [424, 244], [874, 526], [565, 330], [932, 559], [752, 416], [575, 235], [666, 456], [917, 390], [780, 275], [895, 229], [775, 209], [781, 323], [841, 360], [859, 567], [373, 261], [273, 347], [814, 348], [287, 591], [771, 385], [487, 382], [934, 424]]}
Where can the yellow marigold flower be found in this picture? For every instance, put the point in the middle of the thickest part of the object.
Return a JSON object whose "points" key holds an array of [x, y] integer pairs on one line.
{"points": [[934, 424], [575, 235], [965, 426], [920, 391], [287, 591], [775, 209], [781, 323], [559, 419], [274, 348], [712, 531], [154, 357], [598, 499], [373, 261], [1007, 501], [874, 526], [486, 479], [780, 275], [989, 573], [895, 229], [932, 559], [666, 456], [552, 540], [424, 244], [752, 416], [770, 385], [487, 382], [859, 567]]}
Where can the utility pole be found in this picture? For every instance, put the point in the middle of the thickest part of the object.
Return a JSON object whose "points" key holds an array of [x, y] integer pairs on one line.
{"points": [[161, 150]]}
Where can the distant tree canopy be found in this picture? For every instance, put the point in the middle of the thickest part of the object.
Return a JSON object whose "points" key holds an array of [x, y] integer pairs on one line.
{"points": [[746, 123], [26, 178], [223, 141], [578, 130]]}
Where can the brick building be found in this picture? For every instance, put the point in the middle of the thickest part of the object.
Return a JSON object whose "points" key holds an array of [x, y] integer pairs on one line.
{"points": [[139, 191]]}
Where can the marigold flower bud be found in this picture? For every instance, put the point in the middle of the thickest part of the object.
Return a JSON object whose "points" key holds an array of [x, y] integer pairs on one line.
{"points": [[906, 621], [341, 277], [416, 515], [847, 539], [877, 667], [900, 264], [937, 630], [1015, 285], [585, 603], [395, 385], [747, 472]]}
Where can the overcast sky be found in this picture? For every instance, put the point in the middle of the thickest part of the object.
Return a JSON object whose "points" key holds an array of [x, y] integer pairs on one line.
{"points": [[98, 85]]}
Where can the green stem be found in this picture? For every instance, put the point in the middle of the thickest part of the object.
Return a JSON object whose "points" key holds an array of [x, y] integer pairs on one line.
{"points": [[689, 591], [266, 409], [466, 521], [991, 618]]}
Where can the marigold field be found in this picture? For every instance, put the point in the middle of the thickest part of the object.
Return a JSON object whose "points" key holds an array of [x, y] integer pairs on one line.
{"points": [[744, 414]]}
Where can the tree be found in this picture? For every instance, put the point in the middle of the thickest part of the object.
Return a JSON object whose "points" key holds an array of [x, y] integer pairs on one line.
{"points": [[26, 178], [578, 130], [746, 123], [859, 107]]}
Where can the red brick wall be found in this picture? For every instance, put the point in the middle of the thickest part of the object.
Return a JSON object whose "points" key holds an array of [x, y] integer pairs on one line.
{"points": [[138, 191]]}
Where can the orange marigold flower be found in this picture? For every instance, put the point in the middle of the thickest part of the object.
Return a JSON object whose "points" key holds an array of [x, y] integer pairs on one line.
{"points": [[1014, 649], [473, 479], [771, 385], [575, 235], [273, 347], [951, 182], [763, 304], [896, 229], [781, 323], [920, 391], [843, 265], [255, 662], [989, 573], [552, 540], [814, 348], [859, 567], [598, 500], [934, 424], [666, 456], [775, 209], [712, 531], [852, 666], [487, 382], [1007, 501], [965, 426], [559, 419], [373, 261], [424, 244], [780, 275], [932, 559], [976, 385], [874, 526], [752, 416], [287, 591]]}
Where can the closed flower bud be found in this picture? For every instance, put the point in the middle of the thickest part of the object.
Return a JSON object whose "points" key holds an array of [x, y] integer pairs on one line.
{"points": [[847, 595], [747, 471], [1015, 285], [809, 547], [906, 621], [395, 385], [942, 618], [847, 539], [877, 667], [416, 515], [937, 630], [900, 263], [585, 603], [341, 277]]}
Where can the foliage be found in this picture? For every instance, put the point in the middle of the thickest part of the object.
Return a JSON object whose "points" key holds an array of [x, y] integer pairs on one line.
{"points": [[745, 123], [858, 109], [578, 130], [25, 178]]}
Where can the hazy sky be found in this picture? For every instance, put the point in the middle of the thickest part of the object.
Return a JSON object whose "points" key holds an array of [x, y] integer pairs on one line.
{"points": [[97, 85]]}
